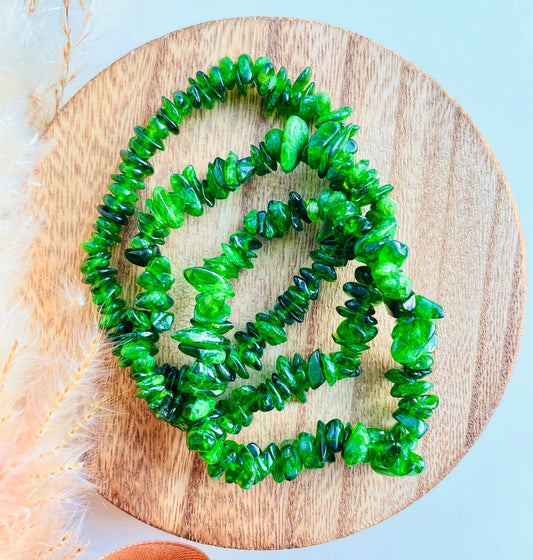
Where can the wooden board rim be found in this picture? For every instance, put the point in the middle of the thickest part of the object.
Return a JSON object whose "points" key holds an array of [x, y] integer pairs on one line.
{"points": [[510, 365]]}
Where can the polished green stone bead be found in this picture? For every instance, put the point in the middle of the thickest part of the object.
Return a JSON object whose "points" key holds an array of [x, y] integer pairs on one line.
{"points": [[295, 138], [199, 409], [227, 458], [319, 141], [248, 475], [154, 300], [410, 389], [112, 305], [234, 363], [334, 116], [201, 379], [297, 312], [251, 222], [217, 328], [308, 283], [282, 387], [188, 193], [138, 318], [270, 332], [149, 138], [308, 451], [273, 453], [424, 362], [129, 182], [201, 338], [97, 276], [421, 407], [217, 81], [201, 439], [298, 296], [161, 321], [171, 111], [324, 272], [110, 320], [427, 309], [273, 143], [150, 282], [92, 264], [265, 78], [136, 349], [334, 435], [159, 266], [231, 178], [206, 355], [172, 205], [214, 89], [243, 240], [156, 129], [291, 461], [96, 244], [279, 403], [144, 363], [346, 365], [312, 106], [386, 206], [245, 67], [328, 368], [238, 257], [287, 376], [395, 375], [123, 193], [302, 80], [143, 149], [152, 227], [222, 265], [279, 215], [391, 282], [299, 368], [314, 370], [207, 281], [351, 333], [245, 169], [264, 464], [411, 340], [112, 204], [356, 445], [250, 358], [228, 71], [389, 251], [265, 399], [324, 454], [214, 455], [266, 228], [182, 103], [105, 292], [415, 425]]}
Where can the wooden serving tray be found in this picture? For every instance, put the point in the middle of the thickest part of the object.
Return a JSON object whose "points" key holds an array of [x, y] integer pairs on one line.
{"points": [[456, 214]]}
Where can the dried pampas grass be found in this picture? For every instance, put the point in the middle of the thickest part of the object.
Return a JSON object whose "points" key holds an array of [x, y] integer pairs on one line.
{"points": [[47, 407]]}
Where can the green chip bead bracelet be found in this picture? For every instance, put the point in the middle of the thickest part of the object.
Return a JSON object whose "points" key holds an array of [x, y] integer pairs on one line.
{"points": [[356, 220]]}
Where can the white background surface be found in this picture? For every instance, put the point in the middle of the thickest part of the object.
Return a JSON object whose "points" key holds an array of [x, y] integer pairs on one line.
{"points": [[482, 53]]}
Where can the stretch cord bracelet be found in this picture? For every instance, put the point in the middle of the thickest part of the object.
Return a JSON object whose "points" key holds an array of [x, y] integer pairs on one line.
{"points": [[192, 398]]}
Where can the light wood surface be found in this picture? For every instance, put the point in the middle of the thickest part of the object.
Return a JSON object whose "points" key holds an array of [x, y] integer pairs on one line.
{"points": [[456, 213]]}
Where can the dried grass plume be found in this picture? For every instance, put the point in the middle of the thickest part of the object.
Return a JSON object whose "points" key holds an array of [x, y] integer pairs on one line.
{"points": [[46, 407]]}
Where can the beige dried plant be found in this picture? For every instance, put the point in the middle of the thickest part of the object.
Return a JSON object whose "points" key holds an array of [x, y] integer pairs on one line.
{"points": [[47, 408]]}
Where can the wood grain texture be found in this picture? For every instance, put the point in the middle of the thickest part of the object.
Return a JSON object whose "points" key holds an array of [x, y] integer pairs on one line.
{"points": [[456, 213]]}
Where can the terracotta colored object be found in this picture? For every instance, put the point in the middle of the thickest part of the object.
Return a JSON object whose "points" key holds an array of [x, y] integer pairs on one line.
{"points": [[456, 214], [156, 550]]}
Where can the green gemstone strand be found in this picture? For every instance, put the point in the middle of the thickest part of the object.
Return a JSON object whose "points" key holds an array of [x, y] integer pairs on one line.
{"points": [[358, 222]]}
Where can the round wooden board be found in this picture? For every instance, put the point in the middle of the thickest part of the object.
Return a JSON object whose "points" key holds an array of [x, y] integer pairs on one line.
{"points": [[456, 213]]}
